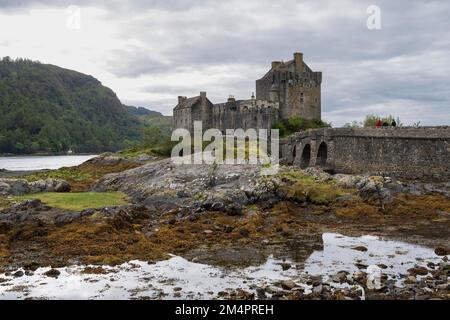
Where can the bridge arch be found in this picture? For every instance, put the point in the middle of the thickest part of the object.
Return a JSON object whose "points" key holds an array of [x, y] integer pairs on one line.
{"points": [[306, 157], [322, 154]]}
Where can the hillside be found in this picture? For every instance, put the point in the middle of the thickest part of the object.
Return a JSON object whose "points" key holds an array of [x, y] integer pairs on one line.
{"points": [[45, 108], [140, 111]]}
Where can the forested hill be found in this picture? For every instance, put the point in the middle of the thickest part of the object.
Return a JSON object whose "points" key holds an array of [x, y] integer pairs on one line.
{"points": [[45, 108]]}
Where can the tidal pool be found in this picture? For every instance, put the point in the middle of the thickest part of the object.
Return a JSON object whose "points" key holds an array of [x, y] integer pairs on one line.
{"points": [[178, 278]]}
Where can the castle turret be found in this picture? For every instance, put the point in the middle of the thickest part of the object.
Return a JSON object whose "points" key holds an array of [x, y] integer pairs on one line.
{"points": [[206, 111], [181, 99], [298, 60]]}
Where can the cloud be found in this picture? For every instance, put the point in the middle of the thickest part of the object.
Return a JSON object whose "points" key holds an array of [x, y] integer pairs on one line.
{"points": [[152, 51]]}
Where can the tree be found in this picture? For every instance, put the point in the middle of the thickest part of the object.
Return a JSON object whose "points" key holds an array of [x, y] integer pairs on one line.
{"points": [[152, 136], [370, 120], [296, 124]]}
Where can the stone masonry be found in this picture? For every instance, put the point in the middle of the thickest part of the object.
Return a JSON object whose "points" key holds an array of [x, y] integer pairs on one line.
{"points": [[288, 89], [411, 153]]}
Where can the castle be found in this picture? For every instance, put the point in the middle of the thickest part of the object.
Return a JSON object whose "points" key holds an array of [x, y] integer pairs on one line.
{"points": [[288, 89]]}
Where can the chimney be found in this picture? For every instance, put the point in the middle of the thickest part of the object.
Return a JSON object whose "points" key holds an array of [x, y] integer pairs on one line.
{"points": [[181, 99], [275, 64], [231, 99], [298, 59], [203, 95]]}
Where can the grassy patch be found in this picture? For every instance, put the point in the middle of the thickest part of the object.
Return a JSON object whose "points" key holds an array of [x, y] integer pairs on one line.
{"points": [[4, 203], [136, 152], [69, 174], [78, 201], [304, 188]]}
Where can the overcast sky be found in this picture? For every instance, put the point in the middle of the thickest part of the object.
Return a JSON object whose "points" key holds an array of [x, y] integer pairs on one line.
{"points": [[149, 52]]}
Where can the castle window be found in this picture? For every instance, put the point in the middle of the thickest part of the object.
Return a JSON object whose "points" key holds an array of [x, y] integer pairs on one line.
{"points": [[273, 78], [302, 97]]}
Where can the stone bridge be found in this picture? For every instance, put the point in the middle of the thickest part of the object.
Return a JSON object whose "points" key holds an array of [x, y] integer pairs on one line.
{"points": [[411, 153]]}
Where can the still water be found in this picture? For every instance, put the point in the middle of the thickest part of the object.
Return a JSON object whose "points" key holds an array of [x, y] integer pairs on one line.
{"points": [[139, 279], [41, 162]]}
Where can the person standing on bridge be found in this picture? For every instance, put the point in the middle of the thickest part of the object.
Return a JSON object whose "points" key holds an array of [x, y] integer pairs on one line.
{"points": [[394, 124], [378, 123]]}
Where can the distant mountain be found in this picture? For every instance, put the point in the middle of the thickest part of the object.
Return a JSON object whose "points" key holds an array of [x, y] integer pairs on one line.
{"points": [[140, 111], [45, 108]]}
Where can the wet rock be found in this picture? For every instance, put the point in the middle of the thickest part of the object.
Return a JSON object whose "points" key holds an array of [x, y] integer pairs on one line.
{"points": [[360, 248], [245, 295], [442, 251], [361, 265], [340, 277], [418, 271], [317, 290], [271, 289], [411, 280], [53, 273], [176, 289], [288, 284], [261, 293], [285, 266], [18, 274], [359, 276], [32, 266]]}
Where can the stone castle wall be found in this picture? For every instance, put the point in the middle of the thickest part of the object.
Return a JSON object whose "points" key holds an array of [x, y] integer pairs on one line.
{"points": [[288, 89], [294, 86], [413, 153], [246, 114]]}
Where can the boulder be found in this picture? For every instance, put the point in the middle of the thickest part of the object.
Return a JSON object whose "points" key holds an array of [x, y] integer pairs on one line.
{"points": [[18, 187]]}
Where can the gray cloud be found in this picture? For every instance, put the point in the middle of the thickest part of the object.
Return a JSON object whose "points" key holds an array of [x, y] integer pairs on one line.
{"points": [[230, 44]]}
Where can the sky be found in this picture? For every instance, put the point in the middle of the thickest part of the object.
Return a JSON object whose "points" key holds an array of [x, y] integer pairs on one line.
{"points": [[392, 61]]}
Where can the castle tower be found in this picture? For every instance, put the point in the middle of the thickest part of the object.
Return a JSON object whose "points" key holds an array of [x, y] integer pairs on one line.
{"points": [[294, 86]]}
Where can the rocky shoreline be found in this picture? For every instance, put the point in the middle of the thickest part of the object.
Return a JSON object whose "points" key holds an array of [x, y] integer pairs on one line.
{"points": [[231, 216]]}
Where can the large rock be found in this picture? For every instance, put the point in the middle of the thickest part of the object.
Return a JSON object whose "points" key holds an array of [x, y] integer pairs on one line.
{"points": [[21, 186], [203, 187], [319, 174], [369, 186]]}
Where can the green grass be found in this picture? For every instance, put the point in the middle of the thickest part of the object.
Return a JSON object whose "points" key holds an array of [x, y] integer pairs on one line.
{"points": [[136, 152], [72, 174], [78, 201], [305, 188], [4, 203]]}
